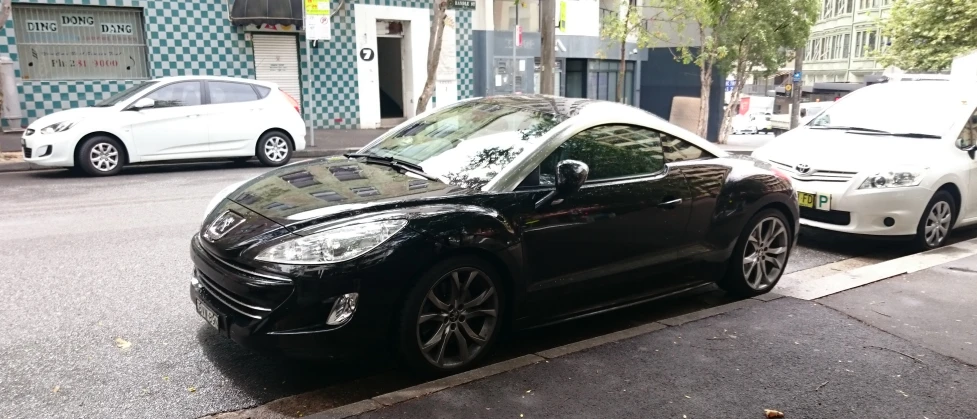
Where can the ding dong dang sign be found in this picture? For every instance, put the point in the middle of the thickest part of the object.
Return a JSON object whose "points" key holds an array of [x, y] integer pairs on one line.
{"points": [[78, 46]]}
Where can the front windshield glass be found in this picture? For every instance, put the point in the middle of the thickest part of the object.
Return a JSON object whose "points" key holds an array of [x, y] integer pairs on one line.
{"points": [[469, 144], [125, 94], [893, 110]]}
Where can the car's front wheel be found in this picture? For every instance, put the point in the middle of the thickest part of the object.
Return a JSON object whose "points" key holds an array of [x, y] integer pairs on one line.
{"points": [[760, 255], [936, 222], [100, 156], [452, 317], [273, 149]]}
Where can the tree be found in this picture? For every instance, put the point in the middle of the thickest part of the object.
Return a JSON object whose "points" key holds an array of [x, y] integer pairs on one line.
{"points": [[927, 34], [709, 49], [616, 29], [761, 35], [433, 53]]}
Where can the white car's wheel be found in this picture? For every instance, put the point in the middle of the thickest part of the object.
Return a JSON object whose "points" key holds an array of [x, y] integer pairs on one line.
{"points": [[100, 156], [937, 221], [274, 149]]}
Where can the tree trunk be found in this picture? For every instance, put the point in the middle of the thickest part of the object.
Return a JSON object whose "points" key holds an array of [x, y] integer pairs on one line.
{"points": [[4, 15], [433, 54], [623, 68], [705, 77]]}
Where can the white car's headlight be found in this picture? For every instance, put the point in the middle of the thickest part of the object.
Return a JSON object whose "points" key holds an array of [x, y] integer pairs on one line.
{"points": [[334, 245], [893, 179], [220, 197], [59, 127]]}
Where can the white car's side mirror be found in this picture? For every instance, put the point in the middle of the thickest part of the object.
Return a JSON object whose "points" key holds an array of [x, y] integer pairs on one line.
{"points": [[143, 103]]}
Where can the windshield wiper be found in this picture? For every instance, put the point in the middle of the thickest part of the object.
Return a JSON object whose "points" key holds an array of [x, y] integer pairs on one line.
{"points": [[392, 162], [872, 131]]}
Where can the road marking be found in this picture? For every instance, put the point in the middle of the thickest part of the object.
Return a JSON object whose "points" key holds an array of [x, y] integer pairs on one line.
{"points": [[806, 285]]}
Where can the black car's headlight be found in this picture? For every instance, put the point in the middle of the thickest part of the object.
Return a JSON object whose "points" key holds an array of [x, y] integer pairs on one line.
{"points": [[337, 244]]}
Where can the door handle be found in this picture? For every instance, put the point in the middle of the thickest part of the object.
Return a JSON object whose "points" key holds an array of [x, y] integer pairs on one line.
{"points": [[670, 203]]}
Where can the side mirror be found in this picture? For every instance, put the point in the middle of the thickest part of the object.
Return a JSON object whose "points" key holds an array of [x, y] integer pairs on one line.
{"points": [[966, 145], [143, 104], [570, 176]]}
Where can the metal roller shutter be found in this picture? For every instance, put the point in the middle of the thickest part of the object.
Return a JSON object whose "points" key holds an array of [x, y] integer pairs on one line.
{"points": [[276, 60]]}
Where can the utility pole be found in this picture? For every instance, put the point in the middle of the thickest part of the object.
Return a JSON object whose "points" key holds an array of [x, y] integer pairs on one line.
{"points": [[548, 55], [797, 88]]}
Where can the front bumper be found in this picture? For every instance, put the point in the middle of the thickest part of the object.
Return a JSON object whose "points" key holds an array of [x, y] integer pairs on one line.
{"points": [[57, 150], [864, 211]]}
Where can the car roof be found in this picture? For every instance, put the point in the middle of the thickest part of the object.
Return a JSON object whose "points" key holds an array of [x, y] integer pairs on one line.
{"points": [[930, 89], [570, 107], [215, 78]]}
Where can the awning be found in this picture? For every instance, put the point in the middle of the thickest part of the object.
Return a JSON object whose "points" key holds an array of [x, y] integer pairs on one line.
{"points": [[271, 12]]}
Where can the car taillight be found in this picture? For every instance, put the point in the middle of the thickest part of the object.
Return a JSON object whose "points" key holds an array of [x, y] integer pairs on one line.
{"points": [[295, 103]]}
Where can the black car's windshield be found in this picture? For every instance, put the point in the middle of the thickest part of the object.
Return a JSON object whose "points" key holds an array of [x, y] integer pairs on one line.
{"points": [[125, 94], [468, 144], [886, 111]]}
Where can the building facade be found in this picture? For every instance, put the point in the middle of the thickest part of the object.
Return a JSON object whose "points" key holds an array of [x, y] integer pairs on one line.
{"points": [[73, 53], [845, 42]]}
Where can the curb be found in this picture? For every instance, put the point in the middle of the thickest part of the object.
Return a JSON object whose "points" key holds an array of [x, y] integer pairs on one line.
{"points": [[424, 389], [21, 166]]}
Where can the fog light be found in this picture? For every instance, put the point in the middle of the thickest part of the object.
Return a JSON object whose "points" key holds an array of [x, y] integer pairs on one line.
{"points": [[889, 222], [343, 309], [193, 280]]}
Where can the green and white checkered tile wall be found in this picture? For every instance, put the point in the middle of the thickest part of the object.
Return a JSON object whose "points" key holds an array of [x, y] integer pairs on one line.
{"points": [[195, 37]]}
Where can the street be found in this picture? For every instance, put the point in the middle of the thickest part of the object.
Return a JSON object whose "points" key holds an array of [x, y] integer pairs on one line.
{"points": [[98, 322]]}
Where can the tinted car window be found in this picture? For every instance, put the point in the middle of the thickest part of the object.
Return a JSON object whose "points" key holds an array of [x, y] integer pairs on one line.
{"points": [[221, 92], [177, 94], [611, 151], [262, 91], [680, 150]]}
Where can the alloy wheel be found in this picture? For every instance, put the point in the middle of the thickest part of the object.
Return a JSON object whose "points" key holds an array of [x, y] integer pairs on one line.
{"points": [[276, 149], [938, 223], [765, 253], [458, 317], [104, 157]]}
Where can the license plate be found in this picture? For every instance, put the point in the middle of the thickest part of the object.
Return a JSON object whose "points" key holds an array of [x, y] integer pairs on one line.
{"points": [[818, 201], [208, 315]]}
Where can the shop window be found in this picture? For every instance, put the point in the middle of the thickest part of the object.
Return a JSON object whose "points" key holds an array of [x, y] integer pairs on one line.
{"points": [[80, 43]]}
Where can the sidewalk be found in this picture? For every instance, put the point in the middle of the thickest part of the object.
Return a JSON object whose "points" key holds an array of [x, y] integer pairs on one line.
{"points": [[909, 354]]}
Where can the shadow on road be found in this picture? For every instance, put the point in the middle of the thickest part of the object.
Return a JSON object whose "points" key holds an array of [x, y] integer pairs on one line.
{"points": [[149, 169]]}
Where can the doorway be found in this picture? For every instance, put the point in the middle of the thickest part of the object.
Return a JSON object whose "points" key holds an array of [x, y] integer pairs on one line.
{"points": [[390, 63], [276, 60]]}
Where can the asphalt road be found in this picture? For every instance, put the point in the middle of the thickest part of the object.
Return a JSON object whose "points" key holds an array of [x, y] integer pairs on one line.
{"points": [[97, 321]]}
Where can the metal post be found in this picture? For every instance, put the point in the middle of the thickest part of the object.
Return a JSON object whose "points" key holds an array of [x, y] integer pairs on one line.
{"points": [[515, 39], [308, 63], [795, 108]]}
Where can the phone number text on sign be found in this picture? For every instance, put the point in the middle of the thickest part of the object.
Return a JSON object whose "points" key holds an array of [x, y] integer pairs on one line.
{"points": [[83, 63]]}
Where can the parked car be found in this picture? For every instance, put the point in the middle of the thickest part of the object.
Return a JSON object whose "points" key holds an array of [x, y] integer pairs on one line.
{"points": [[780, 123], [876, 164], [172, 118], [503, 211]]}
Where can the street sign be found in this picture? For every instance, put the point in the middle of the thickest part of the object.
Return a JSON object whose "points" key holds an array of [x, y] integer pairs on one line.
{"points": [[367, 54], [461, 4], [317, 20], [562, 24], [797, 76], [518, 35], [730, 84], [788, 88]]}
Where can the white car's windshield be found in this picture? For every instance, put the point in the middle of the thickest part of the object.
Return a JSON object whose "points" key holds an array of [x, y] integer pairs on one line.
{"points": [[468, 144], [891, 111], [125, 94]]}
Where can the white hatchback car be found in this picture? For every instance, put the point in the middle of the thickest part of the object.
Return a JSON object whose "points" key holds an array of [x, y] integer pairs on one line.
{"points": [[893, 159], [173, 118]]}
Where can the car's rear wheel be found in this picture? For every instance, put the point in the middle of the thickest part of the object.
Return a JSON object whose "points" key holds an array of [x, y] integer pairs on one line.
{"points": [[101, 156], [760, 255], [273, 149], [937, 221], [452, 316]]}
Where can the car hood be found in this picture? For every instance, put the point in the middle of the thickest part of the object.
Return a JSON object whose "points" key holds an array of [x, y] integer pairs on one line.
{"points": [[78, 113], [333, 187], [847, 152]]}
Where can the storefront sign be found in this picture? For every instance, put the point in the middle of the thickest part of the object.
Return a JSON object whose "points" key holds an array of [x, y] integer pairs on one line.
{"points": [[461, 4], [48, 26], [117, 28], [318, 24], [77, 20]]}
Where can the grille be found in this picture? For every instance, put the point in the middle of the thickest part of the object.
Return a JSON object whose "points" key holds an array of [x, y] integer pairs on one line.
{"points": [[815, 175], [233, 302], [28, 152], [251, 294], [841, 218]]}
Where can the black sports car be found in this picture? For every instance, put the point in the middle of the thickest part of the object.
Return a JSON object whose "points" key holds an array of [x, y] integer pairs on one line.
{"points": [[503, 211]]}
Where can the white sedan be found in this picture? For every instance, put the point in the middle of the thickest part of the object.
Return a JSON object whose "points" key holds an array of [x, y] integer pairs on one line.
{"points": [[892, 159], [173, 118]]}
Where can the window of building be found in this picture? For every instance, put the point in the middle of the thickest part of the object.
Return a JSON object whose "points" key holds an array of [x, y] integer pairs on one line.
{"points": [[846, 46], [185, 93], [80, 43], [223, 92], [505, 15], [826, 9], [603, 79], [611, 151]]}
